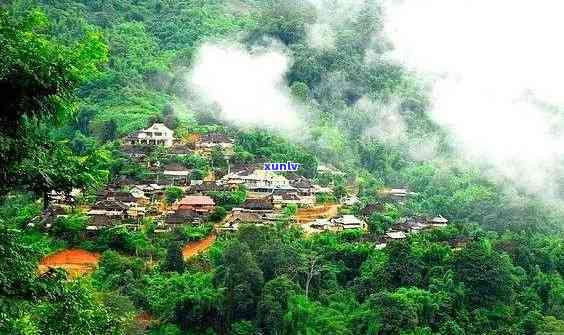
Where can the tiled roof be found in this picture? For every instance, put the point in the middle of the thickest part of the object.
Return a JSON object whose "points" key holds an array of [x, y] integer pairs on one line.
{"points": [[158, 127], [206, 186], [301, 183], [180, 149], [196, 200], [181, 216], [244, 217], [215, 138], [290, 196], [258, 204], [175, 167], [110, 205]]}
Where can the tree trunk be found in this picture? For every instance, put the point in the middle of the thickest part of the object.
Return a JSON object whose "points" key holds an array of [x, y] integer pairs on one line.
{"points": [[310, 275], [308, 280], [45, 199]]}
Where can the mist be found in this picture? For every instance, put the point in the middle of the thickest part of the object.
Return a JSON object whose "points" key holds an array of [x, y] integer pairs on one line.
{"points": [[331, 14], [496, 73], [247, 86]]}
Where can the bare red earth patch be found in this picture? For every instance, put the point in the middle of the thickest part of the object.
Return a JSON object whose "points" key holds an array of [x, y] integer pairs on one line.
{"points": [[196, 247], [75, 261]]}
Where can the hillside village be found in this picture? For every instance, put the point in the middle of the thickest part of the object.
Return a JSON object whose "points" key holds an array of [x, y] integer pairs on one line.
{"points": [[248, 167], [176, 193]]}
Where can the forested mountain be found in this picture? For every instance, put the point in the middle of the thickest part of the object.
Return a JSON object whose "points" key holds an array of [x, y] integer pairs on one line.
{"points": [[82, 80]]}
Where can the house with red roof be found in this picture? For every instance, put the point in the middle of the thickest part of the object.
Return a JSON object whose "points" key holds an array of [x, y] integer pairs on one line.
{"points": [[198, 203]]}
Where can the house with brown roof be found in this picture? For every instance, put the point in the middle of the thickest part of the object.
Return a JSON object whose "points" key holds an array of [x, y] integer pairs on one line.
{"points": [[121, 196], [321, 224], [200, 204], [302, 185], [136, 151], [152, 191], [240, 216], [258, 204], [283, 199], [176, 174], [205, 186], [130, 197], [180, 149], [107, 212], [181, 217], [122, 181], [176, 169], [206, 143], [410, 225], [346, 222]]}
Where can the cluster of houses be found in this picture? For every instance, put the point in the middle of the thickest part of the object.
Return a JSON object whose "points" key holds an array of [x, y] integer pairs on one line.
{"points": [[399, 194], [140, 143], [205, 144], [116, 205], [402, 228], [406, 226], [259, 183], [340, 223], [127, 201], [129, 206], [267, 193], [258, 211]]}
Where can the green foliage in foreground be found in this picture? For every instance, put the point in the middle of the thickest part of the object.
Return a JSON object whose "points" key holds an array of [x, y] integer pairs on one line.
{"points": [[278, 281]]}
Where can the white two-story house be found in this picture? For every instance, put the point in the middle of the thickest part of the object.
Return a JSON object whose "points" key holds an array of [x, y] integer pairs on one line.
{"points": [[157, 134]]}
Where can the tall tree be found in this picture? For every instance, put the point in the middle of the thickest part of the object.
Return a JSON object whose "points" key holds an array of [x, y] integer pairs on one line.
{"points": [[243, 281], [38, 78], [174, 260]]}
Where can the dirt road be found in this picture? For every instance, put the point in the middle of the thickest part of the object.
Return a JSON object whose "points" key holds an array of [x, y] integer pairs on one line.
{"points": [[196, 247]]}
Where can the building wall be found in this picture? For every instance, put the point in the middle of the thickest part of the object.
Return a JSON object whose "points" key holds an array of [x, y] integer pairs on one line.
{"points": [[199, 208]]}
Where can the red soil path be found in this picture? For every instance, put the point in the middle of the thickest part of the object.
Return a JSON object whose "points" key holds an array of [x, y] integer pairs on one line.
{"points": [[76, 261], [306, 215], [196, 247]]}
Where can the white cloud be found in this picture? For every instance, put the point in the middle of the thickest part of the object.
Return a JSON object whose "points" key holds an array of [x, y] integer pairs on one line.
{"points": [[331, 15], [248, 86], [387, 124], [390, 127], [489, 59]]}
